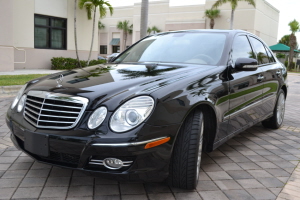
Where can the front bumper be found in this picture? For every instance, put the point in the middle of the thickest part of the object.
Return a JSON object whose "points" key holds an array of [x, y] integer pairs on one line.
{"points": [[148, 165]]}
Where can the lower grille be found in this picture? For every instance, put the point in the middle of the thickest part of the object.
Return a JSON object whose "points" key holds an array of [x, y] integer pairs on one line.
{"points": [[63, 158], [53, 110]]}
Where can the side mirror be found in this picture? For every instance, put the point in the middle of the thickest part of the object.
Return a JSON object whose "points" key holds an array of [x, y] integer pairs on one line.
{"points": [[246, 64], [110, 59]]}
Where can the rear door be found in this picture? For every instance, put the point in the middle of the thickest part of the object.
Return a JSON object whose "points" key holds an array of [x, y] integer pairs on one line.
{"points": [[246, 89], [272, 72]]}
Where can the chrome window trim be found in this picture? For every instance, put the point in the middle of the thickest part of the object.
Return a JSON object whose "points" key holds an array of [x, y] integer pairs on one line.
{"points": [[60, 97], [128, 143]]}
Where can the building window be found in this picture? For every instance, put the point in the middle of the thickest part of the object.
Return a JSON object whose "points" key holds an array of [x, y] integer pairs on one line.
{"points": [[50, 32], [103, 49], [116, 49]]}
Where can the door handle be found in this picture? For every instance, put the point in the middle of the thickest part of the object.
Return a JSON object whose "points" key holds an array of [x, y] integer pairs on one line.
{"points": [[260, 77]]}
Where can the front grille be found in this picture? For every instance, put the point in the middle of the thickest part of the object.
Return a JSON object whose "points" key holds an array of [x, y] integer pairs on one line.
{"points": [[53, 110]]}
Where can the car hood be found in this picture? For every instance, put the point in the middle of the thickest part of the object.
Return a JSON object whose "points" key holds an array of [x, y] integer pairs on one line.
{"points": [[106, 83]]}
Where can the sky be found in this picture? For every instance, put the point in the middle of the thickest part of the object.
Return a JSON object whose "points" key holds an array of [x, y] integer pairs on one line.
{"points": [[289, 10]]}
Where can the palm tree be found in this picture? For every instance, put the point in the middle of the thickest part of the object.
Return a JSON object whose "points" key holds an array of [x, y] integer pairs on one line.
{"points": [[91, 7], [126, 28], [144, 18], [212, 14], [294, 27], [100, 25], [153, 29], [285, 40], [234, 4], [75, 33]]}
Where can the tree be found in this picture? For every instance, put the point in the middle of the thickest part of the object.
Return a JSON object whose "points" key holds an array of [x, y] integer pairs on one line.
{"points": [[153, 29], [91, 7], [75, 33], [144, 18], [294, 27], [285, 40], [234, 4], [212, 14], [100, 25], [126, 28]]}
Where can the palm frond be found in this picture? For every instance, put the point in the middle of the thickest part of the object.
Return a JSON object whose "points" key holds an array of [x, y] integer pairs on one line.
{"points": [[294, 26], [212, 13], [219, 3], [101, 25], [251, 2], [124, 25], [111, 9]]}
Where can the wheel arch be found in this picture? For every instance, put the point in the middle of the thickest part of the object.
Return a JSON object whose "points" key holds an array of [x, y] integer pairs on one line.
{"points": [[284, 88], [210, 124]]}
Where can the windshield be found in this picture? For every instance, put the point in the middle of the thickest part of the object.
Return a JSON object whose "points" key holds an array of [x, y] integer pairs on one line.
{"points": [[180, 47]]}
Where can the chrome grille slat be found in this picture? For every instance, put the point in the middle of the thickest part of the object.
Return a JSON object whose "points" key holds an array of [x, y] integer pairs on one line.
{"points": [[31, 116], [35, 101], [60, 122], [32, 106], [31, 111], [48, 104], [60, 111], [59, 116], [30, 121], [40, 109]]}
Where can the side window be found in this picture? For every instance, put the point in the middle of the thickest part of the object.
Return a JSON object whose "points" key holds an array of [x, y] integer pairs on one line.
{"points": [[241, 48], [271, 58], [261, 53]]}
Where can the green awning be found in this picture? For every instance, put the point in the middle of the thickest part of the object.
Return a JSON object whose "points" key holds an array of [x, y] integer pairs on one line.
{"points": [[281, 47], [115, 41]]}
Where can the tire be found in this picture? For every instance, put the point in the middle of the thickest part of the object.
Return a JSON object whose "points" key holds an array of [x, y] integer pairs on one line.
{"points": [[186, 157], [278, 114]]}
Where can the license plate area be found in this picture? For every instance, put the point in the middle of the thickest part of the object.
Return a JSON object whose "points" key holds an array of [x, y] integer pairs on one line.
{"points": [[36, 143]]}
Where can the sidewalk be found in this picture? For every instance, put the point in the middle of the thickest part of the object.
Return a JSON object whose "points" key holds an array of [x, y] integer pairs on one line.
{"points": [[30, 71]]}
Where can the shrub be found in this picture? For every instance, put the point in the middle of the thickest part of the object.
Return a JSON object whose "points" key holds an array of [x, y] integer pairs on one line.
{"points": [[61, 63], [280, 55]]}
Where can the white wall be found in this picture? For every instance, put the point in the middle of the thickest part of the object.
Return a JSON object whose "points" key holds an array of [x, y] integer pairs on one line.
{"points": [[23, 31], [55, 8]]}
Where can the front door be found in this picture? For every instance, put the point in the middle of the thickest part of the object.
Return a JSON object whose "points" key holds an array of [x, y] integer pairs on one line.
{"points": [[246, 90], [272, 72]]}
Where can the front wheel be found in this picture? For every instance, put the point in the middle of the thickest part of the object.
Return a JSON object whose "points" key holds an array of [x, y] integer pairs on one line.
{"points": [[186, 157], [278, 114]]}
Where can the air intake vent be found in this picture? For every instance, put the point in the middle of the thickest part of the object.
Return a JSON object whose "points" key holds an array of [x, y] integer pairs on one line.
{"points": [[53, 110]]}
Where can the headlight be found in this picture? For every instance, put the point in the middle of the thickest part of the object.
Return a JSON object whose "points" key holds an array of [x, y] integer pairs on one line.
{"points": [[131, 114], [17, 98], [21, 103], [97, 117]]}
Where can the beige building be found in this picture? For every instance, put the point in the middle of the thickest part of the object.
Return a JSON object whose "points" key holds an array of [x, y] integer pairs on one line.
{"points": [[262, 20], [34, 31]]}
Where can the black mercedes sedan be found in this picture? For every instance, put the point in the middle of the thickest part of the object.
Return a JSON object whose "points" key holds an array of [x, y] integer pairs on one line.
{"points": [[150, 113]]}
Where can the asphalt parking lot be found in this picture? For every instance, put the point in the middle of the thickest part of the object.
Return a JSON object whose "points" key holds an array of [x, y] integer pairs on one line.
{"points": [[257, 164]]}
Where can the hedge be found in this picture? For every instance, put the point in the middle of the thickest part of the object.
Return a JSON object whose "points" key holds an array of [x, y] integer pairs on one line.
{"points": [[60, 63]]}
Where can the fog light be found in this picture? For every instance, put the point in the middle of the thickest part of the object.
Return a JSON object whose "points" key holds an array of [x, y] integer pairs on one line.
{"points": [[113, 163]]}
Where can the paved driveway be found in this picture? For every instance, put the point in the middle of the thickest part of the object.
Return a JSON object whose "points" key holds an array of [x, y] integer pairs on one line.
{"points": [[253, 165]]}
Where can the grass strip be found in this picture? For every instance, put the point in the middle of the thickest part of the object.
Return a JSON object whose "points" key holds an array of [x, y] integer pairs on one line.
{"points": [[6, 80]]}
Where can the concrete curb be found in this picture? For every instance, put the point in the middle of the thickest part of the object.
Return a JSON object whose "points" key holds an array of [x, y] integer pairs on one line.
{"points": [[8, 91]]}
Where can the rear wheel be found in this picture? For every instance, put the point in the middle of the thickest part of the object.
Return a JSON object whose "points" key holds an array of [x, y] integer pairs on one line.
{"points": [[186, 157], [278, 114]]}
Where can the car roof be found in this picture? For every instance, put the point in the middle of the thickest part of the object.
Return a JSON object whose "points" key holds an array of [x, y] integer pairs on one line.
{"points": [[207, 31]]}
